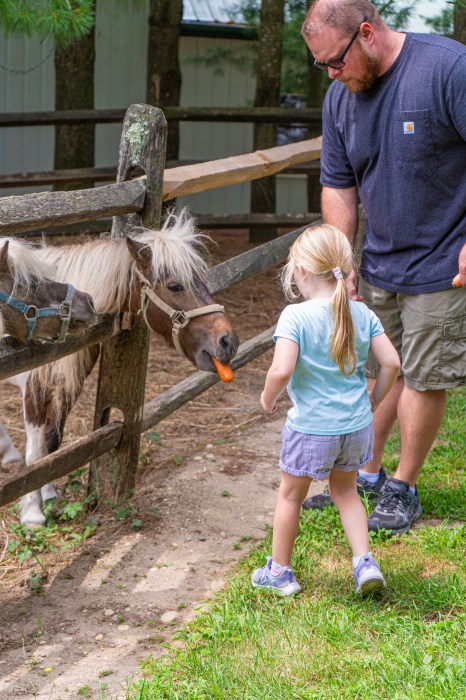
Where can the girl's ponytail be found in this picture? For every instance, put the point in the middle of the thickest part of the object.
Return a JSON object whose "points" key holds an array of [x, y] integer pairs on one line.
{"points": [[342, 340], [324, 252]]}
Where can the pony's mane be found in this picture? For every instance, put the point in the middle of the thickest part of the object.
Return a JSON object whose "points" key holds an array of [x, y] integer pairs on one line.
{"points": [[106, 270], [26, 267]]}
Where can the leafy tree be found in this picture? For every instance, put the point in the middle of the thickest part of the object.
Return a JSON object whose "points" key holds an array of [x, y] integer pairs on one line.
{"points": [[263, 196], [295, 72], [163, 67], [459, 21]]}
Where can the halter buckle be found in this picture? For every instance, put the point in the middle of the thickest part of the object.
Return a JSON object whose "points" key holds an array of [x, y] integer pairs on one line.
{"points": [[64, 310], [31, 313], [178, 318]]}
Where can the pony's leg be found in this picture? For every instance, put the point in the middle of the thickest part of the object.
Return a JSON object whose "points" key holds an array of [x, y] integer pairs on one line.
{"points": [[9, 455], [46, 408], [35, 403]]}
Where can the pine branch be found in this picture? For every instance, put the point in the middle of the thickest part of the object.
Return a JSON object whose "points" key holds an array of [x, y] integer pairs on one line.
{"points": [[65, 20]]}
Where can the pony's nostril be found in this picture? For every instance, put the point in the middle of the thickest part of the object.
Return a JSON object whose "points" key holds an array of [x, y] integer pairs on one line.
{"points": [[229, 343]]}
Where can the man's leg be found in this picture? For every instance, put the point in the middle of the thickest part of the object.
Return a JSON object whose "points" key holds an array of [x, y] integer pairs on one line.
{"points": [[420, 414], [384, 419]]}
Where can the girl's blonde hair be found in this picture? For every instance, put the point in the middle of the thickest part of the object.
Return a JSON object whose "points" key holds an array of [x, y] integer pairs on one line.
{"points": [[318, 251]]}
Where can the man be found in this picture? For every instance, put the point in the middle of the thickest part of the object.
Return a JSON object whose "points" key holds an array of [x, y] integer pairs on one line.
{"points": [[394, 134]]}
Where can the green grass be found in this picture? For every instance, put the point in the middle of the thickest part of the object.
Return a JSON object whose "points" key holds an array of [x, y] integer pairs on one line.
{"points": [[408, 643]]}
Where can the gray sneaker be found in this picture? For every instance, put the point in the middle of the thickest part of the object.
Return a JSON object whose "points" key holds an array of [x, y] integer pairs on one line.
{"points": [[396, 509], [372, 491], [284, 584]]}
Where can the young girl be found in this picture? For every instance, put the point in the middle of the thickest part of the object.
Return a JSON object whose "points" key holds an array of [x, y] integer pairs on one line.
{"points": [[321, 347]]}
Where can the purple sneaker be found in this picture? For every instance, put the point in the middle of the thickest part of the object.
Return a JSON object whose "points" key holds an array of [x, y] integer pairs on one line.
{"points": [[367, 575], [283, 584]]}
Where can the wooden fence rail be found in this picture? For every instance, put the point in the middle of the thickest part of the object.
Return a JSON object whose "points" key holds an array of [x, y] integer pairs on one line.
{"points": [[143, 197], [29, 212], [271, 115]]}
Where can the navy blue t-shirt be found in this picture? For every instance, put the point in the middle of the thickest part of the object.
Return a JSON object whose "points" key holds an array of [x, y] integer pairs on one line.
{"points": [[403, 143]]}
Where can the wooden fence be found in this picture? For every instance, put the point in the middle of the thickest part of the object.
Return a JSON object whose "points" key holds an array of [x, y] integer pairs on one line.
{"points": [[311, 118], [131, 202]]}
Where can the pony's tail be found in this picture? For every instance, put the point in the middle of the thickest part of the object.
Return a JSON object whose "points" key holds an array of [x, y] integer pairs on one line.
{"points": [[342, 340]]}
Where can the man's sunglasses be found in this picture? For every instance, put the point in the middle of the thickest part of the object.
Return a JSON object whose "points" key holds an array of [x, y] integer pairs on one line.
{"points": [[338, 63]]}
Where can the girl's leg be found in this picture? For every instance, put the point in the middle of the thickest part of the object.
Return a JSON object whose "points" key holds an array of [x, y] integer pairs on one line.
{"points": [[352, 514], [291, 494]]}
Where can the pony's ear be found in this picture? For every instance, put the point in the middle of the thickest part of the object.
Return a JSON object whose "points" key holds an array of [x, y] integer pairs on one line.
{"points": [[4, 257], [141, 252]]}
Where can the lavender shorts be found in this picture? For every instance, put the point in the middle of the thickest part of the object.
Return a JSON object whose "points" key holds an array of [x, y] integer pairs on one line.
{"points": [[315, 455]]}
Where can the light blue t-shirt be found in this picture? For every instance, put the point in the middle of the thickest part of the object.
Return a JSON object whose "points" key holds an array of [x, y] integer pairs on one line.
{"points": [[325, 402]]}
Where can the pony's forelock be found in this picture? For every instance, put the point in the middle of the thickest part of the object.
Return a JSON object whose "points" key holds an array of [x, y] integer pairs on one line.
{"points": [[176, 249]]}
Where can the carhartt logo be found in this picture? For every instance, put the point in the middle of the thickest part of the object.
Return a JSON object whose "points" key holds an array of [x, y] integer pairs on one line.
{"points": [[408, 127]]}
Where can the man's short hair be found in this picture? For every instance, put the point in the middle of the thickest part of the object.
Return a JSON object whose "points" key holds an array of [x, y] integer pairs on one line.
{"points": [[344, 15]]}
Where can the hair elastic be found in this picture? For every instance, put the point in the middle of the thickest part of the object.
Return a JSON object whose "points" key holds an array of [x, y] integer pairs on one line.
{"points": [[337, 273]]}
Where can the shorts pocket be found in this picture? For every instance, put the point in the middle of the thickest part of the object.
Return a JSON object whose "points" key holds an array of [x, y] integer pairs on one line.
{"points": [[412, 135], [321, 451], [452, 362], [360, 446]]}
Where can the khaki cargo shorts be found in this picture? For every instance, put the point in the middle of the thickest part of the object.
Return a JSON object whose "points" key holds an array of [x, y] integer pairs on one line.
{"points": [[428, 331]]}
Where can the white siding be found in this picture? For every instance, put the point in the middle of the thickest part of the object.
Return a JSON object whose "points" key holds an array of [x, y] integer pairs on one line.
{"points": [[27, 79], [226, 86], [120, 70], [120, 80]]}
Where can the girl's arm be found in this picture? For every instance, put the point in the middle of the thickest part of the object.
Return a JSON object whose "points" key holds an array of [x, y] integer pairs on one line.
{"points": [[389, 362], [279, 374]]}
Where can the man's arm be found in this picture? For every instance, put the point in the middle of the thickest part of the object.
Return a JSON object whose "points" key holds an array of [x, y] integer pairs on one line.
{"points": [[340, 208]]}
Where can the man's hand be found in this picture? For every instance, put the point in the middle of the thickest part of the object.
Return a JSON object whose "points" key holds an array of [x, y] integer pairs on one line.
{"points": [[462, 265], [351, 286]]}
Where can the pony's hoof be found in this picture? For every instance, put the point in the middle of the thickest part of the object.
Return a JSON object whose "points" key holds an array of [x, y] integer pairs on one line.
{"points": [[48, 492], [33, 525]]}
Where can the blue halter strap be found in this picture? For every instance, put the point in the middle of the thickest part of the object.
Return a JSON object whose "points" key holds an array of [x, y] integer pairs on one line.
{"points": [[32, 313]]}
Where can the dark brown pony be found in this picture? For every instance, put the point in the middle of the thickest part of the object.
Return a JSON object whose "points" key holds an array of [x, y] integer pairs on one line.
{"points": [[163, 269], [34, 306]]}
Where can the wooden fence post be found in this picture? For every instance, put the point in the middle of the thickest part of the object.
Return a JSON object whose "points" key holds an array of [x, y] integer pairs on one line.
{"points": [[123, 360]]}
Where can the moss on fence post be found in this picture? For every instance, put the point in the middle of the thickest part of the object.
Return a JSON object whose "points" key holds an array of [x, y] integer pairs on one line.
{"points": [[123, 361]]}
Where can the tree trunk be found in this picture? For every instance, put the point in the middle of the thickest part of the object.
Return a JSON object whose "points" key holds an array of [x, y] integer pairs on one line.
{"points": [[314, 99], [263, 196], [74, 89], [163, 66], [459, 22]]}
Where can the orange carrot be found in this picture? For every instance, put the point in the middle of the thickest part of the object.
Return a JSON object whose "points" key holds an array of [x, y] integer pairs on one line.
{"points": [[456, 280], [225, 372]]}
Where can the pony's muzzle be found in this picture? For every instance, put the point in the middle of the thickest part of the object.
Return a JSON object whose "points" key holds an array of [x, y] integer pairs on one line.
{"points": [[83, 310]]}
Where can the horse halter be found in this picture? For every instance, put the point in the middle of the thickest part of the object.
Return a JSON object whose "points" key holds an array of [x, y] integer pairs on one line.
{"points": [[179, 318], [32, 313]]}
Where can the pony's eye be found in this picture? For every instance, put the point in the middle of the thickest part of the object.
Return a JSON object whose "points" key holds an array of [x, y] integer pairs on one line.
{"points": [[175, 287]]}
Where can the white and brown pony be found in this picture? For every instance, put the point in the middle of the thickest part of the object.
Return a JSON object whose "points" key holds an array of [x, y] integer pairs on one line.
{"points": [[164, 268], [35, 306]]}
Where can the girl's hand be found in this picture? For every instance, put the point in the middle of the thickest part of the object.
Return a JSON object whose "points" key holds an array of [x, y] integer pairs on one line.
{"points": [[268, 407]]}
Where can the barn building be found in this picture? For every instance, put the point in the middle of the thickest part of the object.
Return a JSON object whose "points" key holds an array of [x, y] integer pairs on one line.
{"points": [[217, 52]]}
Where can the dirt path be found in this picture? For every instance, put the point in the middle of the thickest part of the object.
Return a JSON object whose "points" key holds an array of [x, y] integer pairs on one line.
{"points": [[205, 494], [126, 593]]}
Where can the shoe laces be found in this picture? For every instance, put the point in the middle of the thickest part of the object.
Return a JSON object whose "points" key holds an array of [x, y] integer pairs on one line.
{"points": [[392, 501]]}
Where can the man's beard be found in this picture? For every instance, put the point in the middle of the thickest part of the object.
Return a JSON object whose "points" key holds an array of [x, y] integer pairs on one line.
{"points": [[370, 68]]}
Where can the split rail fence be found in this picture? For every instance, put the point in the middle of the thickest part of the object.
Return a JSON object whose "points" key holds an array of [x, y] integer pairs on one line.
{"points": [[112, 448]]}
